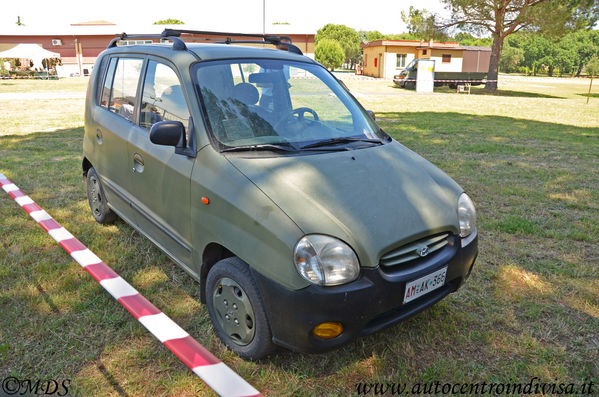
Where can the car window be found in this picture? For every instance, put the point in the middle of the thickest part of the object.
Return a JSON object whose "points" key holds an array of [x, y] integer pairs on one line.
{"points": [[163, 97], [252, 102], [100, 74], [306, 90], [124, 87], [105, 99]]}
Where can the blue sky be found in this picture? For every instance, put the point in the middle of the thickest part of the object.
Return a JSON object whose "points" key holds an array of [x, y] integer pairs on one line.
{"points": [[305, 15]]}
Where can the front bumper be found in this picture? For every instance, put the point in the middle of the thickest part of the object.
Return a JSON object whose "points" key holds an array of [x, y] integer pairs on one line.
{"points": [[366, 305], [399, 82]]}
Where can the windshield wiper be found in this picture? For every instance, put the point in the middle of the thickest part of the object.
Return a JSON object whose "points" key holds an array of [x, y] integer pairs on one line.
{"points": [[334, 141], [265, 146]]}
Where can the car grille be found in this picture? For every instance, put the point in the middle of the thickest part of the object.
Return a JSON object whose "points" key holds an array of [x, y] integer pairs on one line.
{"points": [[415, 250]]}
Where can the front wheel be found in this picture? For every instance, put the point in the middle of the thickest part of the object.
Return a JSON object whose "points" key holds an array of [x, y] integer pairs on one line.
{"points": [[97, 199], [236, 309]]}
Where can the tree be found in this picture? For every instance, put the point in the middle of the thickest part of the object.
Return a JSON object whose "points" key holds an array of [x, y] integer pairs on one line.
{"points": [[584, 44], [370, 35], [348, 38], [502, 18], [511, 57], [330, 53], [467, 39], [422, 24], [565, 58], [170, 21], [592, 69], [536, 50]]}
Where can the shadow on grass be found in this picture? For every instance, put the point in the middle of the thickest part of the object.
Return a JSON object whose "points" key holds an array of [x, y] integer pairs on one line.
{"points": [[493, 132], [512, 93], [111, 380], [480, 90], [456, 330], [593, 94]]}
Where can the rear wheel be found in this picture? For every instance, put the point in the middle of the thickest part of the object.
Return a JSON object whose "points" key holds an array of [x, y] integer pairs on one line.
{"points": [[236, 309], [97, 200]]}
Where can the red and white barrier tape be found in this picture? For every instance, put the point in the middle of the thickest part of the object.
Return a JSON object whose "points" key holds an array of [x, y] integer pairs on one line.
{"points": [[214, 372], [40, 77], [452, 81]]}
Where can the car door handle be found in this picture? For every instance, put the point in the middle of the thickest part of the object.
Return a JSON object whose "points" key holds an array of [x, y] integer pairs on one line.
{"points": [[138, 163], [99, 136]]}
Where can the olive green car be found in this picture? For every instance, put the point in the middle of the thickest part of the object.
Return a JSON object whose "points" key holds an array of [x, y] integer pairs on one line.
{"points": [[258, 172]]}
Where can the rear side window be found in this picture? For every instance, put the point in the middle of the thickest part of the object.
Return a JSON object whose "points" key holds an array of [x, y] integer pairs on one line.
{"points": [[163, 97], [124, 87], [105, 98], [100, 73]]}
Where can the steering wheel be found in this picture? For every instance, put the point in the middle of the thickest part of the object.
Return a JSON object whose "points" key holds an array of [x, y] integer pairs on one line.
{"points": [[300, 116]]}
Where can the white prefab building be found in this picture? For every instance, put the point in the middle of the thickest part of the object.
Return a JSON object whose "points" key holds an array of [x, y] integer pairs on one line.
{"points": [[386, 58]]}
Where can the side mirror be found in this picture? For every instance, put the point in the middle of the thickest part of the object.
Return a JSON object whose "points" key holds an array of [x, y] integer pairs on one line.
{"points": [[371, 114], [168, 133]]}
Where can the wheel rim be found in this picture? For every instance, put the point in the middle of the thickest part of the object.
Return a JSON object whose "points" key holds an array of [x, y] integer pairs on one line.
{"points": [[95, 199], [234, 311]]}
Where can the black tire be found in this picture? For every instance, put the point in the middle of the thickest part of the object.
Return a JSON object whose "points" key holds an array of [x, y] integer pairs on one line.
{"points": [[97, 199], [248, 337]]}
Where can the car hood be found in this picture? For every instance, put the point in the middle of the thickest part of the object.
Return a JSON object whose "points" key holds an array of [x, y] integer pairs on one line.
{"points": [[375, 199]]}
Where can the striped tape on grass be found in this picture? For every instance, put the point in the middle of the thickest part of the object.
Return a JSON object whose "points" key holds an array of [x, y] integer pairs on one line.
{"points": [[453, 81], [215, 373]]}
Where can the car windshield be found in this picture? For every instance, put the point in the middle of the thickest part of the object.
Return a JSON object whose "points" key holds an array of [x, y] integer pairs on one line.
{"points": [[262, 102]]}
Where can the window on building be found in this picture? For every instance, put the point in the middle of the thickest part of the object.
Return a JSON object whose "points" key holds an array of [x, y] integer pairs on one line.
{"points": [[446, 58], [401, 60], [124, 88], [424, 52], [163, 97]]}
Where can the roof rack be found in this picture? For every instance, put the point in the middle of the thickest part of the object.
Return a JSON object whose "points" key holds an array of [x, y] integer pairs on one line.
{"points": [[266, 38], [178, 44]]}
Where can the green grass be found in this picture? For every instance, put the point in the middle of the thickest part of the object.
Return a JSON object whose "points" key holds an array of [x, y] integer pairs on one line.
{"points": [[29, 85], [555, 101], [530, 307]]}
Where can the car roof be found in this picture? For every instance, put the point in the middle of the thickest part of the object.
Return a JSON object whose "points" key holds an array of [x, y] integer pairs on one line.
{"points": [[223, 51], [213, 51]]}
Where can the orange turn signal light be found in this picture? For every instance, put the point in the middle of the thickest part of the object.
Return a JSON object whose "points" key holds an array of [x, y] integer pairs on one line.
{"points": [[205, 200], [328, 330]]}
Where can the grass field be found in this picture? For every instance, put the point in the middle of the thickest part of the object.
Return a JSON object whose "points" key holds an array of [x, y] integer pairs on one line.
{"points": [[529, 157]]}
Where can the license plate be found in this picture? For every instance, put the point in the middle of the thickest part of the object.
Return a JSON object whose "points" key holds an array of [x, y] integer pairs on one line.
{"points": [[424, 285]]}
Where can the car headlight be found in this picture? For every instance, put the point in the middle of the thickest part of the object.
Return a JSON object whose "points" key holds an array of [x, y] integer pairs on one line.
{"points": [[325, 260], [466, 215]]}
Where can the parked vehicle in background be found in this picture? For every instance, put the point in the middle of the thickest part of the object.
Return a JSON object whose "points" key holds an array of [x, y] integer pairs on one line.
{"points": [[258, 172], [407, 77]]}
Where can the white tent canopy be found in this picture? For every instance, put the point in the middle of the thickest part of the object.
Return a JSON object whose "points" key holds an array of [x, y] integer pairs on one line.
{"points": [[29, 51]]}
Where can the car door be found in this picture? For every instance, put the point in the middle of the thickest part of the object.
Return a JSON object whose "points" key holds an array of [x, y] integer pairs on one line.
{"points": [[160, 178], [114, 123]]}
